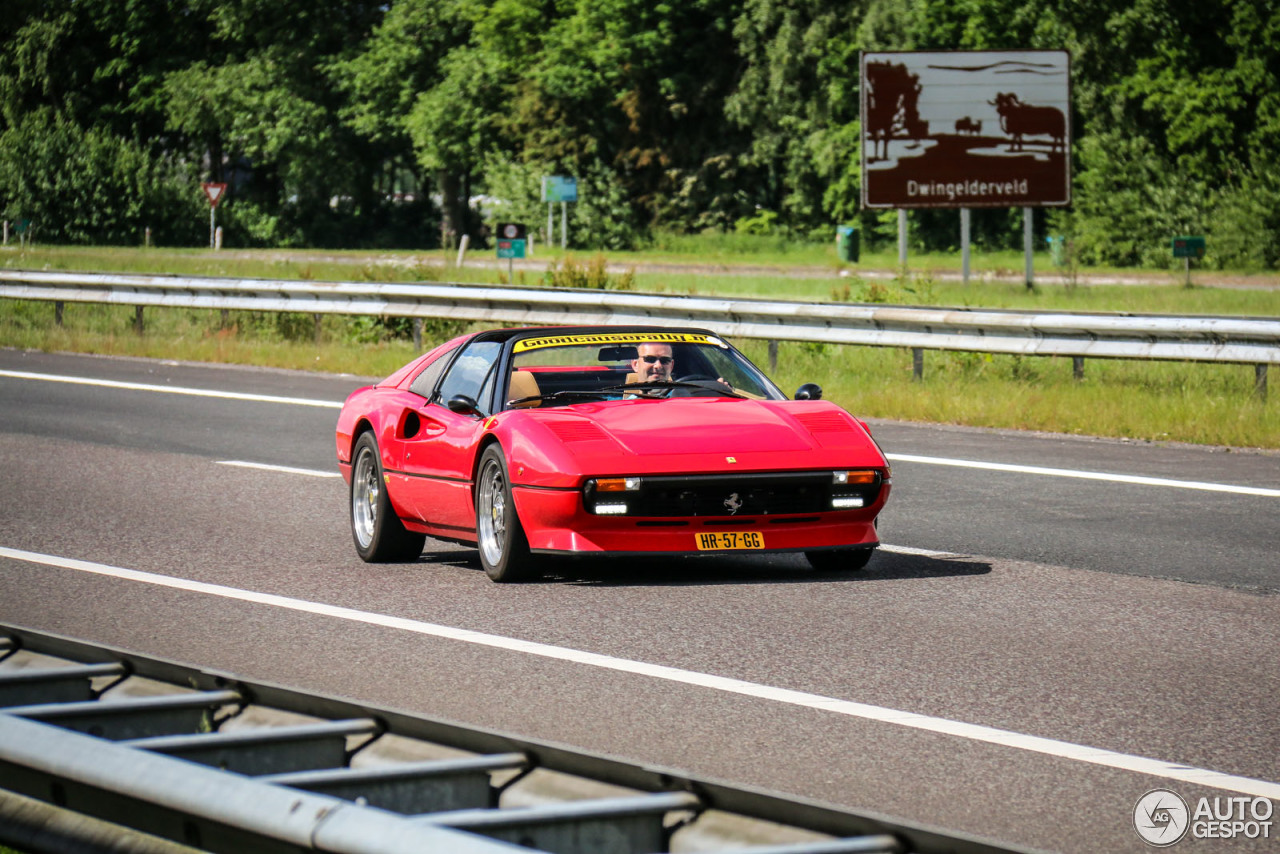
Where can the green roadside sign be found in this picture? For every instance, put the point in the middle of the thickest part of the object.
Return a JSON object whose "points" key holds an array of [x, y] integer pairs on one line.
{"points": [[559, 188], [511, 248], [1188, 247]]}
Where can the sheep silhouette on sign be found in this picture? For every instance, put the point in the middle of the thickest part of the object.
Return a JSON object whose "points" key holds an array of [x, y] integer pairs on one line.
{"points": [[892, 94], [968, 125], [1018, 119]]}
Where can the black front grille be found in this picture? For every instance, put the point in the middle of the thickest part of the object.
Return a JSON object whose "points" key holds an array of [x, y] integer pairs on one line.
{"points": [[740, 495]]}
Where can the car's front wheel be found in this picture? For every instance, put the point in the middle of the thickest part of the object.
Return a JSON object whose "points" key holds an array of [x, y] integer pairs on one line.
{"points": [[504, 549], [840, 560], [379, 535]]}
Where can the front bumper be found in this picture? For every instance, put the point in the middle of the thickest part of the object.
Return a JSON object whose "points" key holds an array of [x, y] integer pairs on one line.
{"points": [[555, 521]]}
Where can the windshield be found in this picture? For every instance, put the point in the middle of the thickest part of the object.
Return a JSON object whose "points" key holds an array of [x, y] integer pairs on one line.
{"points": [[567, 369]]}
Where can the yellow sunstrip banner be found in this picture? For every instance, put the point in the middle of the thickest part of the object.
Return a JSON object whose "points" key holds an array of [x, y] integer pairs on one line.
{"points": [[613, 338]]}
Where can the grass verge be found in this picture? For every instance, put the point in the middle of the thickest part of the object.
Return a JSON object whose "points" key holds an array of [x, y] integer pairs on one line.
{"points": [[1147, 401]]}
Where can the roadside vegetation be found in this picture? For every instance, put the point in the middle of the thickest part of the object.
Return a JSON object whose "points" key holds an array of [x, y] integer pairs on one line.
{"points": [[411, 123], [1142, 401]]}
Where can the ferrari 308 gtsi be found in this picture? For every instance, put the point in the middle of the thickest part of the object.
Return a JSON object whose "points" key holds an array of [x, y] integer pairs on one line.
{"points": [[534, 444]]}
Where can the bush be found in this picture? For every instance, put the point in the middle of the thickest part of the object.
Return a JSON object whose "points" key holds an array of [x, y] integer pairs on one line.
{"points": [[1246, 220], [593, 275], [85, 187]]}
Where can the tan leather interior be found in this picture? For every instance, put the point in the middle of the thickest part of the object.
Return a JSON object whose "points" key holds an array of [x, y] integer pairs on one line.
{"points": [[632, 377], [523, 384]]}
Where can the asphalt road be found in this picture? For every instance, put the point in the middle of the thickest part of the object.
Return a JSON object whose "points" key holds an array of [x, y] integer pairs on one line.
{"points": [[1138, 618]]}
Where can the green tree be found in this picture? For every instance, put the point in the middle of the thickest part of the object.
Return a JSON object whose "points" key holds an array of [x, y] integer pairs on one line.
{"points": [[405, 57], [799, 96], [78, 186]]}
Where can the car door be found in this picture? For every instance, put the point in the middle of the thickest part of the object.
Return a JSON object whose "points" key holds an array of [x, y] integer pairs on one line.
{"points": [[439, 457]]}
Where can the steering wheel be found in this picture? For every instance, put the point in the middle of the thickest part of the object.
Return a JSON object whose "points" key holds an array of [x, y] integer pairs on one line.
{"points": [[705, 391]]}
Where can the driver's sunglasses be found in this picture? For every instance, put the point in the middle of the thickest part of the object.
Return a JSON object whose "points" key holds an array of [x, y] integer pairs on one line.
{"points": [[666, 360]]}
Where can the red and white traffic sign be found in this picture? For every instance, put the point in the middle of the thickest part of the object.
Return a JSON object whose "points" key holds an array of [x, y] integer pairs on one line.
{"points": [[215, 193]]}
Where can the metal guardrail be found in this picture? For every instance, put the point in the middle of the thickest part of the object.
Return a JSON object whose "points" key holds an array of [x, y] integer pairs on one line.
{"points": [[1241, 340], [172, 764]]}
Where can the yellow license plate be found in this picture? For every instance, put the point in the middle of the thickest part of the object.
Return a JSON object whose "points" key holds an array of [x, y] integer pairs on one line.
{"points": [[721, 540]]}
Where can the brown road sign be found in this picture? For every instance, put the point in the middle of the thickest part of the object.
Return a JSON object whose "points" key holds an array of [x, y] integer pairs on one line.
{"points": [[960, 129]]}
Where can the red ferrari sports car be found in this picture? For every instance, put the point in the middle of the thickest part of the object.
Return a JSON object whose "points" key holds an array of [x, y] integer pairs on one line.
{"points": [[608, 439]]}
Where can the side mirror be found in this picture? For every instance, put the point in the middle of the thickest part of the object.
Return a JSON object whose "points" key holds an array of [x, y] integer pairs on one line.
{"points": [[463, 405], [809, 391]]}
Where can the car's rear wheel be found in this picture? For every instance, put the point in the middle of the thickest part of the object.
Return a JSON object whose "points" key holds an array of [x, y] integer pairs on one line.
{"points": [[840, 560], [504, 549], [379, 535]]}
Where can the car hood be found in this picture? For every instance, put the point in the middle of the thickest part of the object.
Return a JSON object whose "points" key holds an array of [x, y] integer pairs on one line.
{"points": [[698, 425]]}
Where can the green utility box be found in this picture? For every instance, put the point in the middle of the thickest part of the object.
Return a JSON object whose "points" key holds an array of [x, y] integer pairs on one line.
{"points": [[847, 243]]}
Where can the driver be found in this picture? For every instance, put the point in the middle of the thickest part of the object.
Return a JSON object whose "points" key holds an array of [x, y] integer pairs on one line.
{"points": [[653, 363]]}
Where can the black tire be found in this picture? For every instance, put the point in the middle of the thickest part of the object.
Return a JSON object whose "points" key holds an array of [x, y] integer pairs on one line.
{"points": [[377, 531], [840, 560], [504, 548]]}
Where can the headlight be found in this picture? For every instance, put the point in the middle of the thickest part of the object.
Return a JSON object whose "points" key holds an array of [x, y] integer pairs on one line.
{"points": [[846, 488], [605, 496]]}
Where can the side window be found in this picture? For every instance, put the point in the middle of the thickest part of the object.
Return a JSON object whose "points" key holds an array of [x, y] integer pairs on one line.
{"points": [[472, 373], [426, 381]]}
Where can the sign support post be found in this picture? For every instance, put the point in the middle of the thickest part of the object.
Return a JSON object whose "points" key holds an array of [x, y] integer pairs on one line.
{"points": [[964, 245], [902, 239], [1026, 247]]}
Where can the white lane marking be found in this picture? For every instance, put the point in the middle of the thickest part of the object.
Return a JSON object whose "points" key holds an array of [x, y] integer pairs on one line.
{"points": [[908, 458], [1087, 475], [165, 389], [909, 550], [973, 732], [282, 469]]}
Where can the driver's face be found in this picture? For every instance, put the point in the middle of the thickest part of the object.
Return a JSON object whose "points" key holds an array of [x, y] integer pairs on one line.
{"points": [[654, 363]]}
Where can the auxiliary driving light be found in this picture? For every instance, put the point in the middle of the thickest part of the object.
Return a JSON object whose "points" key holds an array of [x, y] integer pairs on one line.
{"points": [[846, 502], [611, 509]]}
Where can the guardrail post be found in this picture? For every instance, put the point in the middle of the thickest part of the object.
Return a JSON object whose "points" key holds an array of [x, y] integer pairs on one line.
{"points": [[917, 363], [773, 355], [1260, 382], [58, 306], [137, 319], [1077, 367], [317, 316], [417, 335]]}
